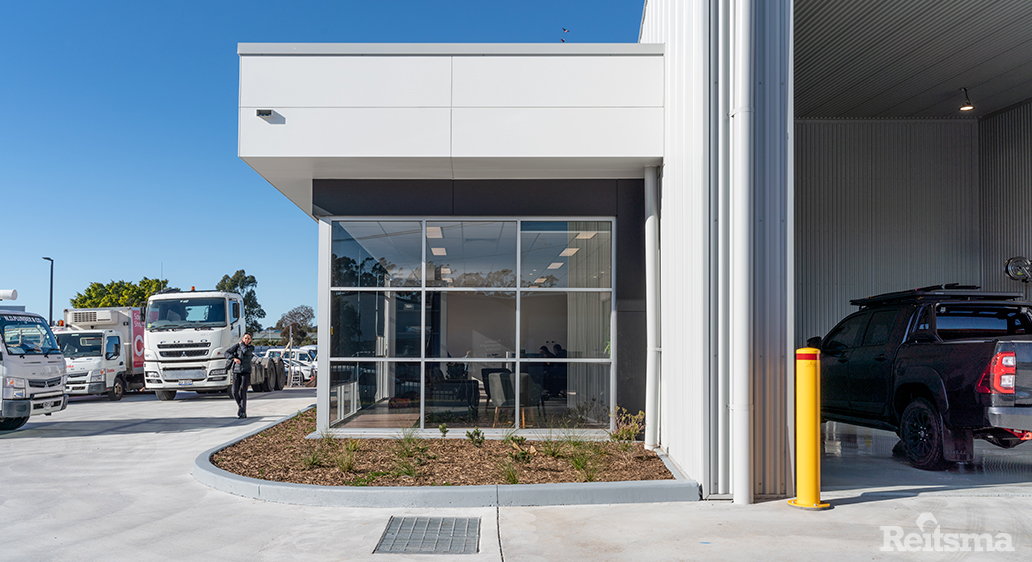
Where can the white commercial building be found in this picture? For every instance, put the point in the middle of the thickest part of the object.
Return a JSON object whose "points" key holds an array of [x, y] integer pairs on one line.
{"points": [[531, 235]]}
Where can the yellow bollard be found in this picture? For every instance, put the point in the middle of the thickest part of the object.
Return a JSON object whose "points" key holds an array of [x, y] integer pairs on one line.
{"points": [[808, 429]]}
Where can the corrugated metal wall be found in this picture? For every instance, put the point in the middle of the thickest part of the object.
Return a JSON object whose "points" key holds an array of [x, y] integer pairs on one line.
{"points": [[883, 206], [1005, 165], [690, 224], [684, 230]]}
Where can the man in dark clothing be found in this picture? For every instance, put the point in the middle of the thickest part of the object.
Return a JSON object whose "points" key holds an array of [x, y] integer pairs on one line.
{"points": [[241, 354]]}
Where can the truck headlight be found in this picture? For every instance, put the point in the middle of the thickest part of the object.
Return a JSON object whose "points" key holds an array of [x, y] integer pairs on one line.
{"points": [[216, 372], [96, 376], [14, 388]]}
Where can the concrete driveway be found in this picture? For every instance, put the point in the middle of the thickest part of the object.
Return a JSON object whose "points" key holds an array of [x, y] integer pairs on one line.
{"points": [[111, 481]]}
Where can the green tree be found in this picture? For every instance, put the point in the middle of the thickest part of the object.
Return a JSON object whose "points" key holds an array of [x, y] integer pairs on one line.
{"points": [[243, 284], [118, 293], [297, 323]]}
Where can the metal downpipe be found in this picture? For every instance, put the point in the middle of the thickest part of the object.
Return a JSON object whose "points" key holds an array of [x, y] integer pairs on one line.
{"points": [[741, 258], [651, 309]]}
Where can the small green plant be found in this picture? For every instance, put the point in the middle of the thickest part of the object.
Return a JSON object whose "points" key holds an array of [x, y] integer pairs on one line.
{"points": [[626, 426], [409, 444], [346, 461], [510, 473], [352, 445], [552, 447], [520, 456], [312, 459], [585, 462], [406, 468], [476, 437], [443, 428], [369, 478]]}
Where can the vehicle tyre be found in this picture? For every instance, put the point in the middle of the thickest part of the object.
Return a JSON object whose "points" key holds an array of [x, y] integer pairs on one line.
{"points": [[259, 387], [117, 389], [922, 434], [11, 424], [165, 394]]}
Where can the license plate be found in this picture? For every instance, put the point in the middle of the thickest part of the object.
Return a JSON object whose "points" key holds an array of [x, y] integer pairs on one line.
{"points": [[185, 383]]}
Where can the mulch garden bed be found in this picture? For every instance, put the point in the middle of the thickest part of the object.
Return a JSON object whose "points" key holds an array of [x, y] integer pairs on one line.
{"points": [[282, 454]]}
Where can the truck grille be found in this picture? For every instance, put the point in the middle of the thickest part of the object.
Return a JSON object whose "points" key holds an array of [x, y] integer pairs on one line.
{"points": [[56, 381], [182, 345], [185, 353]]}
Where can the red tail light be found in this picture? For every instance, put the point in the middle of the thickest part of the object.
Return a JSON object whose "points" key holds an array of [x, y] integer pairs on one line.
{"points": [[999, 377]]}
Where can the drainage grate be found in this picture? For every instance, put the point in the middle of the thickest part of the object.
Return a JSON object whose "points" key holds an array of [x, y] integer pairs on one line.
{"points": [[430, 535]]}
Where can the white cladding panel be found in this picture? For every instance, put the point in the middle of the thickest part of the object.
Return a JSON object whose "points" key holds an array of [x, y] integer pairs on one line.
{"points": [[611, 81], [354, 132], [338, 81], [684, 231], [557, 132]]}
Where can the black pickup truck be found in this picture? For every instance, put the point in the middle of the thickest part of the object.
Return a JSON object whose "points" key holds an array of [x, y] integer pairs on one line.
{"points": [[938, 365]]}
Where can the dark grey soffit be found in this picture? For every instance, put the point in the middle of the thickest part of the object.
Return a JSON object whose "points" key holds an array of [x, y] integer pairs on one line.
{"points": [[466, 197]]}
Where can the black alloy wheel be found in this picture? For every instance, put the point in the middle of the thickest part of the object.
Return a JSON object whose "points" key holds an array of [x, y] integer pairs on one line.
{"points": [[922, 434]]}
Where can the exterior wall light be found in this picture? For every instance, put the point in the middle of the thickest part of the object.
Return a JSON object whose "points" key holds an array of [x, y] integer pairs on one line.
{"points": [[967, 102]]}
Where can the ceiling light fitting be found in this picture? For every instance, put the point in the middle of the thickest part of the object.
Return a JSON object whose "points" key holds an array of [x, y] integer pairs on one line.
{"points": [[967, 102]]}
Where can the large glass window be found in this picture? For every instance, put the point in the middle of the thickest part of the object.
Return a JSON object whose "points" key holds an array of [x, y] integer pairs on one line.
{"points": [[566, 254], [375, 324], [471, 254], [472, 322], [376, 254]]}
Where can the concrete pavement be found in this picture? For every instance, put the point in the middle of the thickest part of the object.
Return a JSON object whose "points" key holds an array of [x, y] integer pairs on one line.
{"points": [[112, 481]]}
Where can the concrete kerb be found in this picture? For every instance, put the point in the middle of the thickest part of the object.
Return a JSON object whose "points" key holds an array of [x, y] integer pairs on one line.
{"points": [[517, 495]]}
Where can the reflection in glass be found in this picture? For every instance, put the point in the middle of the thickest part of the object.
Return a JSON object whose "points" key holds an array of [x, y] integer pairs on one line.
{"points": [[453, 395], [561, 394], [374, 394], [376, 254], [575, 254], [565, 324], [374, 324], [470, 254], [471, 324]]}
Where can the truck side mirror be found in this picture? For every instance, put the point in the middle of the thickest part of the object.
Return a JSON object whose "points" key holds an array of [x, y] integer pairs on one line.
{"points": [[814, 342]]}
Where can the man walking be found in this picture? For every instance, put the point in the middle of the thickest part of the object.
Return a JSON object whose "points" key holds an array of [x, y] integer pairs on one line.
{"points": [[241, 355]]}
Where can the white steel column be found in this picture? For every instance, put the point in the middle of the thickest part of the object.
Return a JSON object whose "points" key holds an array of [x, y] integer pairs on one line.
{"points": [[652, 318], [322, 380], [742, 180]]}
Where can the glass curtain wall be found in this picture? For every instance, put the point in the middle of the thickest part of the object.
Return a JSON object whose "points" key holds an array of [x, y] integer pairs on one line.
{"points": [[486, 323]]}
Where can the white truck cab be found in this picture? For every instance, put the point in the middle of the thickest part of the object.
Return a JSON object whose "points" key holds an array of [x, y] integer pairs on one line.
{"points": [[32, 369], [186, 334]]}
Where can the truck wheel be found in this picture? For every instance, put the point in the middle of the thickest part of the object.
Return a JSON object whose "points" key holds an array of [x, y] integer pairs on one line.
{"points": [[258, 387], [922, 435], [117, 389], [165, 394], [11, 424]]}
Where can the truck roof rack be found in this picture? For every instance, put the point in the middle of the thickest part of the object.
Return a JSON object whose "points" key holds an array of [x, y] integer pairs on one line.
{"points": [[948, 291]]}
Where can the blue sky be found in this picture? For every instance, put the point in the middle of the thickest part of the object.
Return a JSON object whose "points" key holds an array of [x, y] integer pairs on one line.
{"points": [[118, 143]]}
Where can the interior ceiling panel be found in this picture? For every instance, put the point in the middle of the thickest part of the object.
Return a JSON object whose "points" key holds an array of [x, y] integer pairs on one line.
{"points": [[896, 59]]}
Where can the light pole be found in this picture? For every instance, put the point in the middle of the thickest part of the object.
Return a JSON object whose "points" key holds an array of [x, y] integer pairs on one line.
{"points": [[51, 318]]}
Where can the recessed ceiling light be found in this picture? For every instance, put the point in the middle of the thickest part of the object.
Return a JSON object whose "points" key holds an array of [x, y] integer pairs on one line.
{"points": [[447, 279], [446, 270], [555, 265], [540, 280], [569, 252], [434, 232], [439, 251], [586, 235]]}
